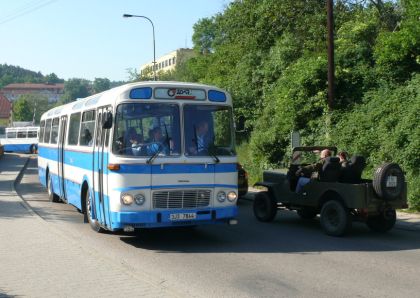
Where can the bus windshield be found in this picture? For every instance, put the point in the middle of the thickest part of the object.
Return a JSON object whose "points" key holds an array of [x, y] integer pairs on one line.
{"points": [[146, 129], [208, 130]]}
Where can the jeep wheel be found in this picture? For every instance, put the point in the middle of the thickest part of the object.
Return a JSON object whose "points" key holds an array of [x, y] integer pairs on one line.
{"points": [[265, 207], [307, 213], [383, 222], [388, 181], [335, 218]]}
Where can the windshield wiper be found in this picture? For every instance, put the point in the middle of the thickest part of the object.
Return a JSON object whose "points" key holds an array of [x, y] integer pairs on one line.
{"points": [[150, 160], [212, 152]]}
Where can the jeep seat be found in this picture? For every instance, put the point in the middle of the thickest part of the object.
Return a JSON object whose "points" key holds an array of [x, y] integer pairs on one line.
{"points": [[331, 169], [353, 172]]}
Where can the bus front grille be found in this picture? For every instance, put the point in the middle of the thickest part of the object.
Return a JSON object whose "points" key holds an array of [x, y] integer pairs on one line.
{"points": [[181, 199]]}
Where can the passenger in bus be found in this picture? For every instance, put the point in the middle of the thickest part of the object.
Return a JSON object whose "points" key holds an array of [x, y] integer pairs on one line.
{"points": [[134, 143], [158, 142], [201, 139], [86, 138]]}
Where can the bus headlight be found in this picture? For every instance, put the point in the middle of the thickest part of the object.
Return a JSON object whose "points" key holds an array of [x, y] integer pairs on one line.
{"points": [[127, 199], [231, 196], [139, 199], [221, 196]]}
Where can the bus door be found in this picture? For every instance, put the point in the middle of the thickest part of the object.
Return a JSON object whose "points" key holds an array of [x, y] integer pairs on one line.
{"points": [[100, 163], [61, 157]]}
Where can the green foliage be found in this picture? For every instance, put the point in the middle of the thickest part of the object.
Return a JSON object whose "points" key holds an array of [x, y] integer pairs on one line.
{"points": [[14, 74], [52, 79], [75, 88], [22, 110], [271, 57], [28, 104], [385, 127], [101, 84], [204, 34]]}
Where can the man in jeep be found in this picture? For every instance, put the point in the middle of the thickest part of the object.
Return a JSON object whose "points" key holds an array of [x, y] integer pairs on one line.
{"points": [[311, 171]]}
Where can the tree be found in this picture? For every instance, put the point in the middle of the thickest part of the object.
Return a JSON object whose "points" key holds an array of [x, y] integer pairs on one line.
{"points": [[101, 84], [22, 110], [204, 34], [30, 104], [52, 79], [75, 88]]}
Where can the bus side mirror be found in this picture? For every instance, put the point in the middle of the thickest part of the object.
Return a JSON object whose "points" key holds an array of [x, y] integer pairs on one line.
{"points": [[240, 124], [107, 123]]}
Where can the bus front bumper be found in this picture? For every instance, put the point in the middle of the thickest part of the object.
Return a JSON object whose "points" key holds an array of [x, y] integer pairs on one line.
{"points": [[162, 218]]}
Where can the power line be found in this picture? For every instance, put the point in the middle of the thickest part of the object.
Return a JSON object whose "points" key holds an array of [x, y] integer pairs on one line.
{"points": [[25, 10]]}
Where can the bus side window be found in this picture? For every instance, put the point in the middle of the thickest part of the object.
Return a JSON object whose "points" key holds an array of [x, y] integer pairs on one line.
{"points": [[21, 134], [11, 135], [54, 131], [74, 129], [41, 131], [47, 131], [31, 134], [87, 128]]}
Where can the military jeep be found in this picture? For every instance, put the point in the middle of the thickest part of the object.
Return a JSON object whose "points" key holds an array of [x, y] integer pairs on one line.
{"points": [[338, 194]]}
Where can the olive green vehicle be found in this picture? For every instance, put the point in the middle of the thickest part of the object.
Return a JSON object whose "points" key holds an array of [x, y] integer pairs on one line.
{"points": [[338, 194]]}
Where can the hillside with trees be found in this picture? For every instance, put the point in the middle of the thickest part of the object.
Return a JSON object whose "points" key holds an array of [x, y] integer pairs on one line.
{"points": [[271, 56], [25, 106]]}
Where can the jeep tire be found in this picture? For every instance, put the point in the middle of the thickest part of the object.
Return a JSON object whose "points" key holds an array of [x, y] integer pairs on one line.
{"points": [[335, 218], [265, 207], [383, 222], [381, 181]]}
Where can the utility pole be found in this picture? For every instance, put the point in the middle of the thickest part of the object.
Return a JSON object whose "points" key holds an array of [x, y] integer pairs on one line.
{"points": [[330, 50]]}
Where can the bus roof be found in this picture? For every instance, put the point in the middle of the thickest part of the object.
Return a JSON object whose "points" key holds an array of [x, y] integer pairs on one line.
{"points": [[123, 93]]}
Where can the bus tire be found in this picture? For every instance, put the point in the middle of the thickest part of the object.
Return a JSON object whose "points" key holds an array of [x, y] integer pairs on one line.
{"points": [[94, 224], [52, 197]]}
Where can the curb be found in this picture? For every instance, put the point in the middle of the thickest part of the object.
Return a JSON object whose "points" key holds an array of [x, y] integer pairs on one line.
{"points": [[16, 182]]}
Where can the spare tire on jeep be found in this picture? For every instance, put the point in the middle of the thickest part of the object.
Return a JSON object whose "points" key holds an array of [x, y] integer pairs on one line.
{"points": [[388, 181]]}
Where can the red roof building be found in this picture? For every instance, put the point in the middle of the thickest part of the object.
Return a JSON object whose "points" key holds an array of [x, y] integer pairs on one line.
{"points": [[52, 91], [5, 110]]}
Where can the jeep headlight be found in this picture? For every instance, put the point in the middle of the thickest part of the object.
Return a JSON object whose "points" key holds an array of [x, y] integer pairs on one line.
{"points": [[127, 199], [221, 196], [231, 196]]}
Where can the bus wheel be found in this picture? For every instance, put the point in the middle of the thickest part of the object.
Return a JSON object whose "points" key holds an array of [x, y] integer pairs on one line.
{"points": [[52, 197], [88, 214], [32, 149]]}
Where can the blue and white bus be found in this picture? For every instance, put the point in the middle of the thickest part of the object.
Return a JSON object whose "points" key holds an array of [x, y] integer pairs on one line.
{"points": [[20, 139], [143, 155]]}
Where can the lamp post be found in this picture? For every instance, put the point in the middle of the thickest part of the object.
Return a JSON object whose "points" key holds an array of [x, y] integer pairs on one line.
{"points": [[154, 47]]}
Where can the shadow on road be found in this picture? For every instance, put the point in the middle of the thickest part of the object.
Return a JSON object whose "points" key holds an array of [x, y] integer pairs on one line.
{"points": [[287, 234]]}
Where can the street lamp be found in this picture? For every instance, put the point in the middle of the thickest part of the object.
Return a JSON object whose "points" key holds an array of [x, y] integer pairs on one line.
{"points": [[154, 47]]}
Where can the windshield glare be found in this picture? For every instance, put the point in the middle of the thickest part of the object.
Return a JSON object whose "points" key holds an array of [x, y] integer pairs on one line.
{"points": [[146, 129], [208, 130]]}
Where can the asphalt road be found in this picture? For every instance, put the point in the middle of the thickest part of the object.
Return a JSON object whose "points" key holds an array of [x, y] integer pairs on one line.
{"points": [[287, 258]]}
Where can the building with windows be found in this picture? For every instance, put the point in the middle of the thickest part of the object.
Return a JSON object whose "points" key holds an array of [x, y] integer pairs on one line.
{"points": [[52, 91], [166, 62]]}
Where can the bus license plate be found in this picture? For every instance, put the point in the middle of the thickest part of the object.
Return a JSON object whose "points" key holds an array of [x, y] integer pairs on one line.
{"points": [[391, 181], [182, 216]]}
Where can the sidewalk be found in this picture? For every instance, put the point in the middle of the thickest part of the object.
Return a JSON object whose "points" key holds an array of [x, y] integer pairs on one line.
{"points": [[36, 260], [405, 220]]}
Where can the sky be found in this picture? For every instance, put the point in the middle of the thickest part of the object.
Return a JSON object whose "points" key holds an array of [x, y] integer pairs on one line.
{"points": [[90, 38]]}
